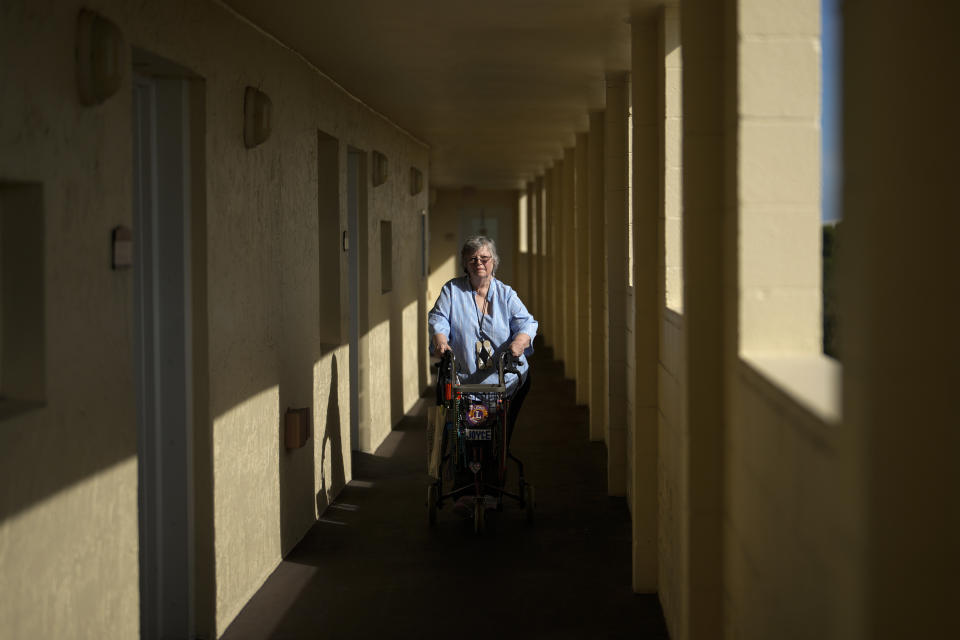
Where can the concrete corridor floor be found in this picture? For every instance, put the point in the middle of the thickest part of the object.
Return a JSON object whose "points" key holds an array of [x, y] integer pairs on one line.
{"points": [[372, 567]]}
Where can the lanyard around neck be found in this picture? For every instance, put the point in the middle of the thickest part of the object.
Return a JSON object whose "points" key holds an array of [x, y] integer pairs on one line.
{"points": [[481, 316]]}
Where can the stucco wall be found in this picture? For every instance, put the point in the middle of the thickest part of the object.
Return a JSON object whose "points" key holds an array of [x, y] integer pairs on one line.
{"points": [[68, 520], [445, 244], [394, 328], [68, 471], [266, 290]]}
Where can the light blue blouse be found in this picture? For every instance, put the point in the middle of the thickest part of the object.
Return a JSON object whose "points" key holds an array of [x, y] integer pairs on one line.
{"points": [[456, 316]]}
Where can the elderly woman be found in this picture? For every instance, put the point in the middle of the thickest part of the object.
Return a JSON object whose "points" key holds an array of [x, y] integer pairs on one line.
{"points": [[478, 317]]}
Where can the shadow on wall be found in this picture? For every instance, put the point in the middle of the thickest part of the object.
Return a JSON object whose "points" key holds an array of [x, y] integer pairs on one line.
{"points": [[300, 503], [25, 436], [296, 472], [331, 447]]}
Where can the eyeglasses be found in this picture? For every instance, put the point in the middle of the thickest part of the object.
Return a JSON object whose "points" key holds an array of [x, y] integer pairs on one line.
{"points": [[479, 259]]}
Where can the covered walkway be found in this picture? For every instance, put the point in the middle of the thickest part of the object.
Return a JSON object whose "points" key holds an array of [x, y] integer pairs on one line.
{"points": [[223, 224], [371, 566]]}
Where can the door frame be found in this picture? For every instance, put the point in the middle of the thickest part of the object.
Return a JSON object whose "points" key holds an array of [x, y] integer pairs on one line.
{"points": [[163, 349]]}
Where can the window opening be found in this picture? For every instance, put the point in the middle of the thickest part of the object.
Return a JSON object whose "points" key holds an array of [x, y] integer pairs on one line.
{"points": [[22, 328], [831, 166]]}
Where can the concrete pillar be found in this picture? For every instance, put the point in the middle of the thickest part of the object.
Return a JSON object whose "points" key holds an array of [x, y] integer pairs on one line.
{"points": [[518, 259], [598, 279], [549, 293], [556, 262], [569, 265], [648, 299], [540, 216], [671, 188], [615, 214], [556, 229], [530, 221], [900, 344], [671, 439], [709, 147], [582, 374]]}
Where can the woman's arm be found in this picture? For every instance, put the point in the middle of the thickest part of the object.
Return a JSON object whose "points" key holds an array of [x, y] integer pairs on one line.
{"points": [[439, 321], [523, 326]]}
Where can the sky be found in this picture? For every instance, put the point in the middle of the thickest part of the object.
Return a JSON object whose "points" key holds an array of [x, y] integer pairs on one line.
{"points": [[830, 111]]}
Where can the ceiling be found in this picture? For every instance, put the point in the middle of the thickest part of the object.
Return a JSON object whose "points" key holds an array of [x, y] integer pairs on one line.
{"points": [[496, 88]]}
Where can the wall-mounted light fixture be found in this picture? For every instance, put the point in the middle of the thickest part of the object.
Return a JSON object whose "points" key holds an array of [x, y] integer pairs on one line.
{"points": [[296, 427], [101, 57], [379, 169], [256, 117], [122, 254], [416, 181]]}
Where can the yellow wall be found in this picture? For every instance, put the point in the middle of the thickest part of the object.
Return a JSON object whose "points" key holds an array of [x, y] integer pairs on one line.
{"points": [[673, 444], [775, 516], [445, 244], [445, 233], [766, 454], [899, 341], [788, 529], [68, 511], [68, 524]]}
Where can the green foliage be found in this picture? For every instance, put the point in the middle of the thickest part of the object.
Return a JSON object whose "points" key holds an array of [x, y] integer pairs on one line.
{"points": [[831, 242]]}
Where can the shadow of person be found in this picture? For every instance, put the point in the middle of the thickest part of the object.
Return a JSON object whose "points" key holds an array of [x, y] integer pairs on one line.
{"points": [[332, 446]]}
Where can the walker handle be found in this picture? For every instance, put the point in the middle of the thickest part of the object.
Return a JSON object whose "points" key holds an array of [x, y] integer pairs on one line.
{"points": [[509, 363]]}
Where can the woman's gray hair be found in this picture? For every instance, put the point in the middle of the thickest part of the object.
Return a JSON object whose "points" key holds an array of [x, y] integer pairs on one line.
{"points": [[473, 245]]}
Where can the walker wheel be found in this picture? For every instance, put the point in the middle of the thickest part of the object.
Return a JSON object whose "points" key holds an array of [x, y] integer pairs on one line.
{"points": [[432, 504]]}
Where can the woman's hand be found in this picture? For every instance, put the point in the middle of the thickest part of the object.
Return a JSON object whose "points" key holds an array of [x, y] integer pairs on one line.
{"points": [[519, 344], [440, 344]]}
